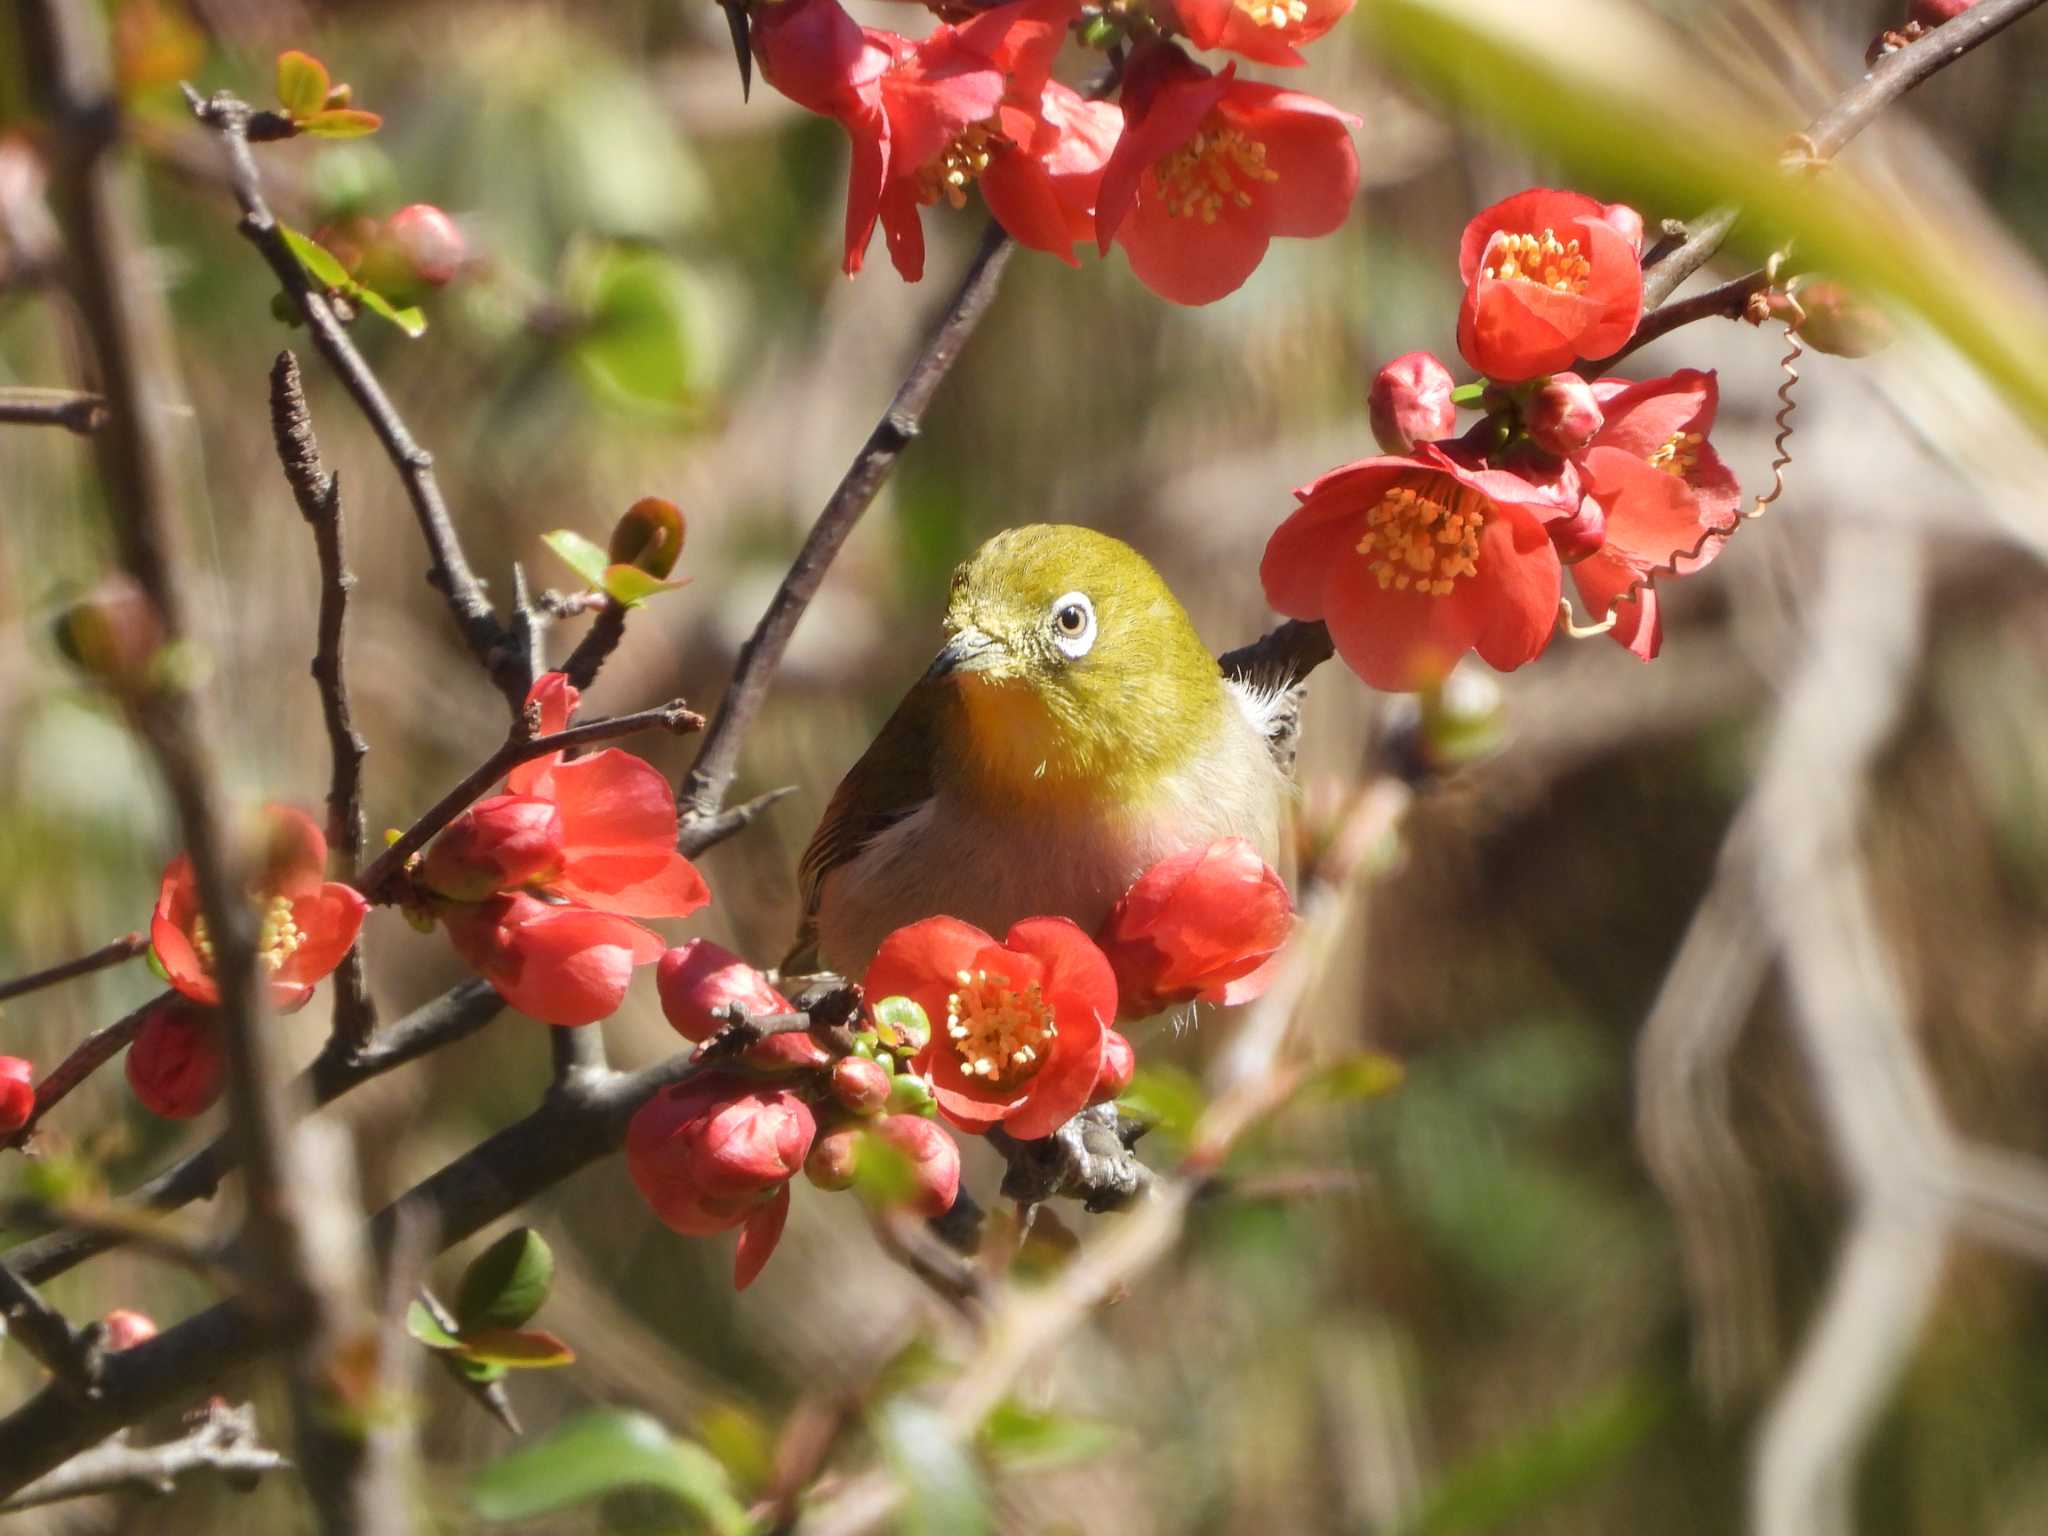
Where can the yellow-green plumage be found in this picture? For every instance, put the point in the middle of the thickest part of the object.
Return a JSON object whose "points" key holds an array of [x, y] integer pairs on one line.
{"points": [[1037, 769]]}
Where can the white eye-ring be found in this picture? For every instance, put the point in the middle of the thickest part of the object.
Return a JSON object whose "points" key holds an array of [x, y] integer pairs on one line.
{"points": [[1073, 625]]}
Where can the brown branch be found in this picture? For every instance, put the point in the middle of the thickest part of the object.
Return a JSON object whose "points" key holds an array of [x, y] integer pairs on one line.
{"points": [[319, 497], [703, 791], [71, 1355], [705, 832], [519, 747], [121, 950], [597, 644], [222, 1440], [81, 413], [1727, 301], [451, 572], [86, 1058]]}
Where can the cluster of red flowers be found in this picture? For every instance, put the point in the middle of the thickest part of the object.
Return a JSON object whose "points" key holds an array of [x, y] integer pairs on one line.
{"points": [[1443, 543], [1016, 1032], [1192, 171]]}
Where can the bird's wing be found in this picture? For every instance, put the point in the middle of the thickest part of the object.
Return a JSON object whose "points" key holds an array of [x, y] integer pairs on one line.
{"points": [[892, 779]]}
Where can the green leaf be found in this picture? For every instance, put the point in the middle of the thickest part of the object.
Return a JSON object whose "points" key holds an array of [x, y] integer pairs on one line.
{"points": [[506, 1283], [516, 1348], [482, 1371], [609, 1449], [582, 556], [321, 264], [1367, 1075], [302, 83], [946, 1498], [638, 349], [1165, 1098], [340, 123], [419, 1322], [409, 320], [1020, 1437], [630, 585], [1468, 394]]}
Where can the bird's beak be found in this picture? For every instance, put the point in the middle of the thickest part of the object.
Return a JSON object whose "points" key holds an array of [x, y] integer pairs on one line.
{"points": [[968, 650]]}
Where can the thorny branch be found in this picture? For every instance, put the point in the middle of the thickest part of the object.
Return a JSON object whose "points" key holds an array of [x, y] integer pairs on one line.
{"points": [[86, 1058], [118, 952], [77, 412], [221, 1440]]}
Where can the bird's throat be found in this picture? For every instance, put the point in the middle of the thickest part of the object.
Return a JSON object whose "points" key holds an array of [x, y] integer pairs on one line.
{"points": [[1026, 749]]}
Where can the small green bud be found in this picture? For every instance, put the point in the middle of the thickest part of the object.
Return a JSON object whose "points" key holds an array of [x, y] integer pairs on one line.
{"points": [[910, 1094], [901, 1021]]}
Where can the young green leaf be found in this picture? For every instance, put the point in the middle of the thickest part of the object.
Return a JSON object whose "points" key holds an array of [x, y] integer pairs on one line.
{"points": [[340, 123], [321, 264], [409, 319], [516, 1348], [630, 585], [506, 1283], [596, 1454], [419, 1322], [579, 554], [302, 83], [1165, 1098]]}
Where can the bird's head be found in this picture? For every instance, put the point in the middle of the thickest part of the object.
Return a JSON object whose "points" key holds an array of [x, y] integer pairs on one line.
{"points": [[1073, 662]]}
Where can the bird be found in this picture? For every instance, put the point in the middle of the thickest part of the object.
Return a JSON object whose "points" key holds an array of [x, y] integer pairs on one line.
{"points": [[1072, 731]]}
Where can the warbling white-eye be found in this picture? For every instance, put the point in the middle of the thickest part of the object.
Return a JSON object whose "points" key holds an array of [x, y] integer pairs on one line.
{"points": [[1072, 731]]}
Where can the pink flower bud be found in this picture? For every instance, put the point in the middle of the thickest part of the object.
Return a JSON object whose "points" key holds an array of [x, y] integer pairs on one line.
{"points": [[1562, 416], [1932, 13], [176, 1062], [1410, 402], [700, 977], [17, 1096], [934, 1161], [419, 248], [835, 1158], [1626, 222], [1119, 1065], [499, 844], [1579, 535], [860, 1085], [125, 1328], [1199, 926], [704, 1153]]}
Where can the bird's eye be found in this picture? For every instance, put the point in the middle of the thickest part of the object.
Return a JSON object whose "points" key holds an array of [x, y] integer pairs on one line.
{"points": [[1073, 624]]}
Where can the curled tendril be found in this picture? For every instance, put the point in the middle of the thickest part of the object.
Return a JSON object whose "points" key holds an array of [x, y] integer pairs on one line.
{"points": [[1781, 460]]}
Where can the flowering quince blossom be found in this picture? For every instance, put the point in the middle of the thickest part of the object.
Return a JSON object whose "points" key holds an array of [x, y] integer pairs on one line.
{"points": [[1415, 559], [934, 1161], [17, 1095], [1550, 277], [308, 922], [699, 977], [177, 1061], [971, 103], [1201, 926], [718, 1152], [1210, 168], [1119, 1066], [1017, 1026], [556, 962], [1667, 499], [1264, 31]]}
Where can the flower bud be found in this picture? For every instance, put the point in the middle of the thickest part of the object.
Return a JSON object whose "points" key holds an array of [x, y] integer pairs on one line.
{"points": [[176, 1062], [649, 537], [707, 1152], [113, 633], [1579, 535], [419, 248], [901, 1022], [125, 1328], [934, 1161], [835, 1158], [17, 1094], [700, 977], [1410, 402], [1199, 926], [1562, 416], [1626, 222], [861, 1087], [1119, 1065], [911, 1094], [1835, 321], [1932, 13], [499, 844]]}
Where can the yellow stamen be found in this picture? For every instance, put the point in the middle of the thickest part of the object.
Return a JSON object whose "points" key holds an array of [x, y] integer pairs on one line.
{"points": [[1679, 455], [1423, 536], [1277, 14], [957, 167], [278, 937], [1211, 171], [1003, 1033], [1541, 259]]}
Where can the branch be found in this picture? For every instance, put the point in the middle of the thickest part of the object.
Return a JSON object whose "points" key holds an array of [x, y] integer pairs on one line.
{"points": [[703, 791], [1729, 301], [86, 1058], [319, 497], [519, 747], [123, 949], [222, 1440], [82, 413], [71, 1356], [597, 644], [705, 832], [450, 567]]}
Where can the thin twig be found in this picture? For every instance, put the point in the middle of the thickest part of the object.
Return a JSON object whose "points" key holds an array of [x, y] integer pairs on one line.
{"points": [[125, 948], [1728, 301], [319, 497], [223, 1441], [519, 747], [86, 1058], [597, 644], [71, 409], [71, 1355], [451, 572], [703, 791], [709, 831]]}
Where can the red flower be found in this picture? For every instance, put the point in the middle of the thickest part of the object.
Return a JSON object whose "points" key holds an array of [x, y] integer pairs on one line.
{"points": [[17, 1095], [177, 1061], [562, 964], [718, 1152], [499, 844], [1211, 168], [1667, 498], [618, 823], [1198, 927], [1414, 560], [698, 978], [308, 922], [1549, 278], [1264, 31], [1021, 1042]]}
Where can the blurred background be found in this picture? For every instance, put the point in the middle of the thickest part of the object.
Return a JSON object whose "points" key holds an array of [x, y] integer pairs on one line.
{"points": [[1462, 1308]]}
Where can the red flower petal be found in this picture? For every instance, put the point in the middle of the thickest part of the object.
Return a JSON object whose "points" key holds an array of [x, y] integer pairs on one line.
{"points": [[1601, 579], [294, 853], [758, 1239], [328, 920], [170, 930], [557, 699], [562, 965]]}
